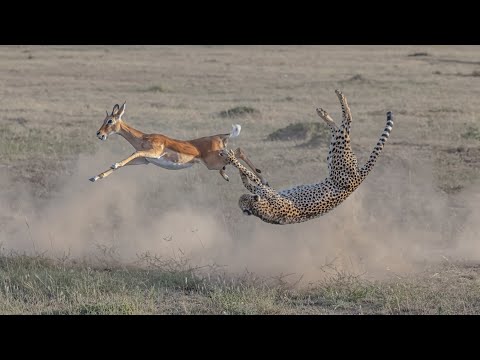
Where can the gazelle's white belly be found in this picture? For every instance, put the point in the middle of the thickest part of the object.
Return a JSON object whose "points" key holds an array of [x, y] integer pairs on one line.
{"points": [[172, 160]]}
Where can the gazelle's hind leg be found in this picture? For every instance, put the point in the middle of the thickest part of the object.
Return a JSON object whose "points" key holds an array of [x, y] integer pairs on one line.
{"points": [[347, 114], [224, 174], [240, 154]]}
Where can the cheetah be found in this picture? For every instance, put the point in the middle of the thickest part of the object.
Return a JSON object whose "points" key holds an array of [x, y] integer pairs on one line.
{"points": [[305, 202]]}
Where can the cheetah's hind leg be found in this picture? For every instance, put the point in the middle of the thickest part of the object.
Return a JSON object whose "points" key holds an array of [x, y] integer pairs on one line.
{"points": [[346, 113]]}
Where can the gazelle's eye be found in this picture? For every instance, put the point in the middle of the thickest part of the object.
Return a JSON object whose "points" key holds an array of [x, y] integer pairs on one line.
{"points": [[110, 121]]}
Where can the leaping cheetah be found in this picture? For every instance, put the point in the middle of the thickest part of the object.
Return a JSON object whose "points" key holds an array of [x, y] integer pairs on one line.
{"points": [[305, 202]]}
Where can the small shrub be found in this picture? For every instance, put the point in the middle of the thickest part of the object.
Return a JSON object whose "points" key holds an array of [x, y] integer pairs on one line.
{"points": [[238, 111]]}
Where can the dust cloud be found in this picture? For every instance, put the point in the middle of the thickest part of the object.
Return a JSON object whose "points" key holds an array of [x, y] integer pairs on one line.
{"points": [[395, 223]]}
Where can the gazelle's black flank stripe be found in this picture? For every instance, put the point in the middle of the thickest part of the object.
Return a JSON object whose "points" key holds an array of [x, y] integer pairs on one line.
{"points": [[379, 147]]}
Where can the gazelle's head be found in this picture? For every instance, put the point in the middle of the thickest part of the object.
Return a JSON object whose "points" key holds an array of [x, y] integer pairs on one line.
{"points": [[111, 124]]}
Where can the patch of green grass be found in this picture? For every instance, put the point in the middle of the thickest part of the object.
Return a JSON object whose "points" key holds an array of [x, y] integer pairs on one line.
{"points": [[314, 133], [357, 79], [245, 300], [37, 285], [26, 143], [108, 308], [419, 54], [471, 132], [155, 89], [474, 73], [322, 139], [448, 291], [348, 293], [457, 167], [239, 111]]}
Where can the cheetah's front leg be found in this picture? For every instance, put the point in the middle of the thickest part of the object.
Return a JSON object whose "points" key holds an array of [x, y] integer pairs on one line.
{"points": [[253, 189], [231, 159], [347, 114]]}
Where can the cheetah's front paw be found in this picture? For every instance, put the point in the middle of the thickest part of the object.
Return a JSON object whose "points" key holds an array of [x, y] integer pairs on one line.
{"points": [[228, 154]]}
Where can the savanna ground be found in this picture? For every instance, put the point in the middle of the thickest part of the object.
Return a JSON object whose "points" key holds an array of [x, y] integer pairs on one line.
{"points": [[151, 241]]}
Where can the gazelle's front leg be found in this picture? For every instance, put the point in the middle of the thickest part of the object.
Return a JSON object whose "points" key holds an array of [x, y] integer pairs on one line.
{"points": [[101, 175], [137, 161], [135, 155], [224, 174]]}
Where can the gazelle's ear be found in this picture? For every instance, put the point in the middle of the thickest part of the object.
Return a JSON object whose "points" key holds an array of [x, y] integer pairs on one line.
{"points": [[115, 110], [256, 197], [121, 110]]}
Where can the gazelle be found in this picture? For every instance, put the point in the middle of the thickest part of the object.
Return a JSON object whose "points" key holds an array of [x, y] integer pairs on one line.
{"points": [[166, 152]]}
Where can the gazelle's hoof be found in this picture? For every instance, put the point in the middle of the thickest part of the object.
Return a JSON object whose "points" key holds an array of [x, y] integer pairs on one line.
{"points": [[93, 179], [115, 166]]}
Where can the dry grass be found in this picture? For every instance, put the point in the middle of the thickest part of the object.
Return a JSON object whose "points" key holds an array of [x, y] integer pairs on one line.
{"points": [[38, 285]]}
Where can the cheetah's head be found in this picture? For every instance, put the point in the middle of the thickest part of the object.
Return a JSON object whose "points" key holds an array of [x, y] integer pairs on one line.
{"points": [[251, 204]]}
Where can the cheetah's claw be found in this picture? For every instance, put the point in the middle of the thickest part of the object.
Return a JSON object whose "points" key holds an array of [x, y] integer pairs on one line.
{"points": [[229, 154], [322, 113]]}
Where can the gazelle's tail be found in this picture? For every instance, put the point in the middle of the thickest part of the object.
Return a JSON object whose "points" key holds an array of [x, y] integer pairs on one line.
{"points": [[379, 147], [234, 133], [236, 128]]}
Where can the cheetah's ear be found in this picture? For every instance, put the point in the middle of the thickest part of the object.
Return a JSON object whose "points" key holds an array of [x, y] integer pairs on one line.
{"points": [[256, 197]]}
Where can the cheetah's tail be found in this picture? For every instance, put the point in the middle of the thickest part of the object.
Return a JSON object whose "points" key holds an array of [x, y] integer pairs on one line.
{"points": [[379, 147]]}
